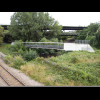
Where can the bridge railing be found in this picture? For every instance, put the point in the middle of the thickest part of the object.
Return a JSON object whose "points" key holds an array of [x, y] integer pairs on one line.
{"points": [[45, 45], [82, 41]]}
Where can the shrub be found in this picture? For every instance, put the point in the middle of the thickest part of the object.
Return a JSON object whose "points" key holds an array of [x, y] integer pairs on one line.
{"points": [[9, 60], [21, 52], [17, 46], [44, 40], [7, 38], [1, 34], [18, 61], [15, 62], [1, 39], [30, 55], [74, 60]]}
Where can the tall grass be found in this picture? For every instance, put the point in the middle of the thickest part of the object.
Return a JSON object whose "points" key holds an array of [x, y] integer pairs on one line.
{"points": [[4, 48]]}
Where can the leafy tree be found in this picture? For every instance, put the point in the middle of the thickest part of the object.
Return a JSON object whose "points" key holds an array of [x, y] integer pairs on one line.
{"points": [[82, 34], [1, 34], [92, 33], [33, 26], [92, 28], [7, 37], [97, 37]]}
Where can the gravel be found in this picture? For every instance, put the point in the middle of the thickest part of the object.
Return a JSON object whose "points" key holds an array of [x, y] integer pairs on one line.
{"points": [[20, 75], [2, 82]]}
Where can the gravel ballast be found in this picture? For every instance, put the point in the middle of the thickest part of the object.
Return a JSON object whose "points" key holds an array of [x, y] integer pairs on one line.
{"points": [[20, 75]]}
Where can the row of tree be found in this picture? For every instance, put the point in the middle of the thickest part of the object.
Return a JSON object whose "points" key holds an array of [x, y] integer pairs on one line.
{"points": [[92, 33]]}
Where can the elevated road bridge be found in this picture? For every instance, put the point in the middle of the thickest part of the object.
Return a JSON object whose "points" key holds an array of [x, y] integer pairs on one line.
{"points": [[63, 27]]}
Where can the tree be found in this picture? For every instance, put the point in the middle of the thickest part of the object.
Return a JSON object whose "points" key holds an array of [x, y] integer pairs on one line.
{"points": [[97, 38], [7, 37], [92, 33], [89, 31], [82, 34], [92, 29], [1, 34], [33, 26]]}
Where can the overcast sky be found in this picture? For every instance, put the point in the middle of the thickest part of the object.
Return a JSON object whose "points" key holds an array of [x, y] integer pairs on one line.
{"points": [[64, 18]]}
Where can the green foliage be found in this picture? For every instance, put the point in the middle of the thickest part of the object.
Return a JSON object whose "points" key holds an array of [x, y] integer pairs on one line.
{"points": [[7, 38], [70, 69], [48, 52], [91, 33], [18, 47], [1, 34], [1, 30], [79, 68], [15, 62], [5, 48], [1, 40], [74, 60], [30, 55], [9, 60], [97, 38], [44, 40], [92, 40], [32, 26], [18, 61]]}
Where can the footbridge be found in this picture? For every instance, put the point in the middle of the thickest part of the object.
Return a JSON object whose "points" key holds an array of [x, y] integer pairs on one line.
{"points": [[77, 46]]}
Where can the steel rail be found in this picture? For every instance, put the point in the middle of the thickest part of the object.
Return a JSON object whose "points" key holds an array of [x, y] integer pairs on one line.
{"points": [[5, 81], [12, 76]]}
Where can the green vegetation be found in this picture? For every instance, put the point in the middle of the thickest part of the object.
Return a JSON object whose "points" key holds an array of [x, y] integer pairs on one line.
{"points": [[91, 33], [57, 68], [79, 68], [1, 34], [15, 62], [33, 26], [4, 48], [70, 69], [30, 55]]}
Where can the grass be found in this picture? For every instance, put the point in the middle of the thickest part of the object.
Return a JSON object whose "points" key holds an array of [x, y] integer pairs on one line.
{"points": [[4, 48], [70, 69], [46, 74]]}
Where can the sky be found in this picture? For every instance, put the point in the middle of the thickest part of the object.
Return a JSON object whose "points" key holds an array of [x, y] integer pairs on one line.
{"points": [[64, 18]]}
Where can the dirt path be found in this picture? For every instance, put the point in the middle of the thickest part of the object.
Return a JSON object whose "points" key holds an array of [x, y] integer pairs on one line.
{"points": [[20, 75]]}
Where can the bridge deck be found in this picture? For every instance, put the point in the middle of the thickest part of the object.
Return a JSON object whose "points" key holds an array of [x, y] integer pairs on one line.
{"points": [[63, 27], [77, 46], [45, 45]]}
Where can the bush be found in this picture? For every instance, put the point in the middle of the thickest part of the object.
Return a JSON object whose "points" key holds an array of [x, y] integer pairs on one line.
{"points": [[18, 61], [74, 60], [44, 40], [1, 34], [7, 38], [9, 60], [15, 62], [1, 39], [17, 46], [30, 55]]}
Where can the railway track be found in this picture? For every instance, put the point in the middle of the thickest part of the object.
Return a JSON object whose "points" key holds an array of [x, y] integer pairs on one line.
{"points": [[8, 78]]}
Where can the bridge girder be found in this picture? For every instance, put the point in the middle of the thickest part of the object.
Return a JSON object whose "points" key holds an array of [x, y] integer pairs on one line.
{"points": [[63, 28]]}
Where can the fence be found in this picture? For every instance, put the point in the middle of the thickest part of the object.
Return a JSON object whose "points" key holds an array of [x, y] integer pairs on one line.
{"points": [[82, 41]]}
